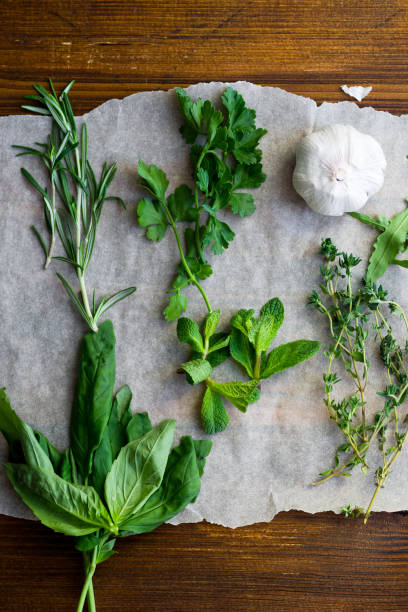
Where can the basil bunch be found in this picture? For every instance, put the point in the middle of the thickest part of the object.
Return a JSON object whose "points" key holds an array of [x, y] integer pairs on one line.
{"points": [[119, 475]]}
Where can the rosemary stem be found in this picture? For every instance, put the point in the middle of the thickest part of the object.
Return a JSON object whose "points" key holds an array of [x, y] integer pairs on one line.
{"points": [[52, 242]]}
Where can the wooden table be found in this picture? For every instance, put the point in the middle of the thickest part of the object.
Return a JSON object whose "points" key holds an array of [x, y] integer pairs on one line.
{"points": [[311, 47]]}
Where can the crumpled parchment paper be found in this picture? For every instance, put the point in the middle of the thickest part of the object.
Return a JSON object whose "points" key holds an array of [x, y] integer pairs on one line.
{"points": [[266, 459]]}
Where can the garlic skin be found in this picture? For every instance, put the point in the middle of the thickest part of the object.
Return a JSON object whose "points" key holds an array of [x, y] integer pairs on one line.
{"points": [[338, 169]]}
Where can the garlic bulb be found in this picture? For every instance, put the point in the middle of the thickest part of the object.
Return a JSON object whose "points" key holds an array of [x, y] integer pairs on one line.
{"points": [[337, 169]]}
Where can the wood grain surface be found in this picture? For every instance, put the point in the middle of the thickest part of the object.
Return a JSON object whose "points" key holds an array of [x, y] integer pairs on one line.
{"points": [[112, 49]]}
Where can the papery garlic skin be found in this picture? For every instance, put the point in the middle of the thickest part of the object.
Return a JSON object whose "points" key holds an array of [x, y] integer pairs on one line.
{"points": [[338, 169]]}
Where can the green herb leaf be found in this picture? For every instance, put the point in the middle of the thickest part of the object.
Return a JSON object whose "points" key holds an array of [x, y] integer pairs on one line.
{"points": [[188, 332], [376, 224], [242, 351], [211, 324], [288, 355], [240, 394], [93, 397], [71, 509], [180, 486], [154, 179], [138, 426], [137, 471], [181, 204], [177, 305], [197, 370], [214, 417], [151, 215], [242, 204], [387, 246]]}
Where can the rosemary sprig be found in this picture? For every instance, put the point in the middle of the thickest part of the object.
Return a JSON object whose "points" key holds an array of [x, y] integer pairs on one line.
{"points": [[72, 183], [351, 316]]}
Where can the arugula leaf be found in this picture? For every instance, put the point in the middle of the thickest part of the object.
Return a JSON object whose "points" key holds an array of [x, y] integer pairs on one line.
{"points": [[71, 509], [197, 370], [387, 246], [137, 471], [380, 224], [214, 417], [288, 355], [93, 397]]}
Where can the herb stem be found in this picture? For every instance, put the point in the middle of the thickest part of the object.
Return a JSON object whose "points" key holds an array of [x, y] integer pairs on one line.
{"points": [[52, 242], [198, 211], [90, 570], [79, 270], [183, 259], [257, 368]]}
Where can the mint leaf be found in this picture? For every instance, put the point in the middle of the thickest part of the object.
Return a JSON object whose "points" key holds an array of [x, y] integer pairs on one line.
{"points": [[240, 394], [262, 332], [243, 320], [288, 355], [242, 351], [214, 417], [188, 332], [197, 370], [211, 324]]}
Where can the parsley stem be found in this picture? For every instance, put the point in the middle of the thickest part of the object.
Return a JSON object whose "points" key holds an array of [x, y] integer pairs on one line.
{"points": [[183, 259], [198, 211]]}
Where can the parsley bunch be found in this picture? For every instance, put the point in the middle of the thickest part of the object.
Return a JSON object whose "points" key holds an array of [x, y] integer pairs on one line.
{"points": [[225, 158], [352, 316], [73, 185]]}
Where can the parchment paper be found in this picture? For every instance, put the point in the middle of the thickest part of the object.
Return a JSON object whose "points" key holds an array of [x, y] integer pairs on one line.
{"points": [[266, 459]]}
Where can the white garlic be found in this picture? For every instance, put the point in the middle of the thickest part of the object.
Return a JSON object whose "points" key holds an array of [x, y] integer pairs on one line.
{"points": [[338, 169]]}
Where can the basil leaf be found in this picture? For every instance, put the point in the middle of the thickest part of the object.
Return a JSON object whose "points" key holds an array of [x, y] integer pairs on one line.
{"points": [[288, 355], [52, 453], [138, 471], [106, 551], [242, 351], [87, 542], [67, 508], [122, 405], [180, 486], [197, 370], [93, 397], [20, 437], [214, 417], [138, 426]]}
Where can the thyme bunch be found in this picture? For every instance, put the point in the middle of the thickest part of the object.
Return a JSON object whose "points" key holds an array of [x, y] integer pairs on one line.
{"points": [[354, 317]]}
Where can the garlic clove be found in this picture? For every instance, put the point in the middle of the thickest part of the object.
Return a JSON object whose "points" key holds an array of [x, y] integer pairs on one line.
{"points": [[338, 169]]}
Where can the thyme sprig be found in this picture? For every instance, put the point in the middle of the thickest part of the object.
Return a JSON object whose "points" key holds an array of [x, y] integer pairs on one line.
{"points": [[355, 316], [72, 184]]}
